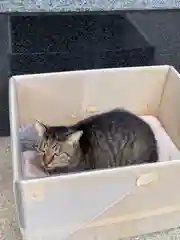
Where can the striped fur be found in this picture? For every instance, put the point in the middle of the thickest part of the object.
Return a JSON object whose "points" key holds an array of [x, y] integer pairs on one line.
{"points": [[111, 139]]}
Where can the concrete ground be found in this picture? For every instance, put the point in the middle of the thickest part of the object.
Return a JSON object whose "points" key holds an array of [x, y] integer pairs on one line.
{"points": [[8, 223]]}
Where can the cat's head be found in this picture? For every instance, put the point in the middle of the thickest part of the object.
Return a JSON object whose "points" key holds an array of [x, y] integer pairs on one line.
{"points": [[58, 145]]}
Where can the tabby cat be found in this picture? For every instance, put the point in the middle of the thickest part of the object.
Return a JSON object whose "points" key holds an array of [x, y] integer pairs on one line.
{"points": [[106, 140]]}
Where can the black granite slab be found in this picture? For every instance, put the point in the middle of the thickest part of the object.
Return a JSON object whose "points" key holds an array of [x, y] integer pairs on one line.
{"points": [[43, 63], [74, 42], [4, 74], [38, 63], [58, 33]]}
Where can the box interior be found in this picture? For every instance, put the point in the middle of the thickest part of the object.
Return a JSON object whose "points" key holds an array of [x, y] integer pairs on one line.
{"points": [[71, 96]]}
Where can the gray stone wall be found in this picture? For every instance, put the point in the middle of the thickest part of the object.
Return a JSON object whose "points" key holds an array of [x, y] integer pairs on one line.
{"points": [[162, 29], [84, 5]]}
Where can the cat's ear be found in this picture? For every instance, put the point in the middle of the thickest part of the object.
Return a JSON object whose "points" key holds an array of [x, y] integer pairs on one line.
{"points": [[74, 137], [40, 128]]}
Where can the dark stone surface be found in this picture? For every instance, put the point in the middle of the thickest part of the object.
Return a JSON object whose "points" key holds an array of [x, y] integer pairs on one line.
{"points": [[67, 42], [41, 63], [162, 28], [73, 33], [4, 75]]}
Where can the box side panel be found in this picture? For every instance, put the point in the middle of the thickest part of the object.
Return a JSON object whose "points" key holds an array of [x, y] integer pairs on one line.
{"points": [[115, 203], [136, 89], [144, 210], [53, 99], [131, 228], [63, 98], [19, 204], [169, 110], [14, 127]]}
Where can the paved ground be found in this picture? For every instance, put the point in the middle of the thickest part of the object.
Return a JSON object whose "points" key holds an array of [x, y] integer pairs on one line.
{"points": [[8, 223]]}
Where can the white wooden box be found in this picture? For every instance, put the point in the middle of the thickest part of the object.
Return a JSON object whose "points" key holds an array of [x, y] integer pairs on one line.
{"points": [[106, 204]]}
